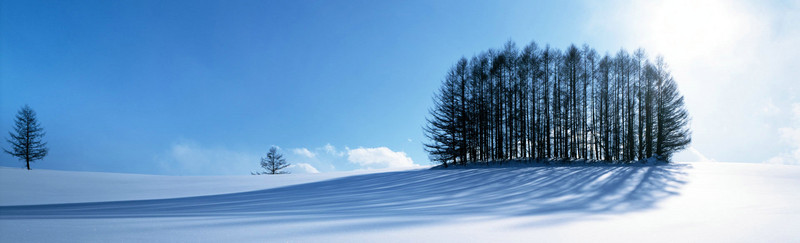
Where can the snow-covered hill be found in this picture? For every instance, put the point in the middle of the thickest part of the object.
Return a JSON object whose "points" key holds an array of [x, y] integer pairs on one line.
{"points": [[718, 202], [21, 187]]}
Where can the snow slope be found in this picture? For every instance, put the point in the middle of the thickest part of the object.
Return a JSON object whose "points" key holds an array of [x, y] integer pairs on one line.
{"points": [[717, 202], [20, 187]]}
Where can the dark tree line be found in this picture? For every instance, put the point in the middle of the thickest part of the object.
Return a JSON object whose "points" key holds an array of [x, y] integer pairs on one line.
{"points": [[544, 103]]}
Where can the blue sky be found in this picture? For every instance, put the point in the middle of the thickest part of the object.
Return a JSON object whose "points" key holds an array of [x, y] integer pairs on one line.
{"points": [[206, 87]]}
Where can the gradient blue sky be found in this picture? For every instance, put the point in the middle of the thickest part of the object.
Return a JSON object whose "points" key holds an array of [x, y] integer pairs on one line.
{"points": [[206, 87]]}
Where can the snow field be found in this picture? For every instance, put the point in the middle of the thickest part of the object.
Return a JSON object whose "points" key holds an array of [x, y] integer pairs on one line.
{"points": [[694, 202]]}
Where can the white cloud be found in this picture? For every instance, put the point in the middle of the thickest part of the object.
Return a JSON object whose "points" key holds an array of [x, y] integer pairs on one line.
{"points": [[770, 108], [303, 152], [302, 168], [187, 157], [380, 157], [791, 136], [330, 149]]}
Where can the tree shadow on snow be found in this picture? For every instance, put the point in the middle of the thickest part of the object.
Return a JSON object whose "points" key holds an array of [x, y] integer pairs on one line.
{"points": [[396, 199]]}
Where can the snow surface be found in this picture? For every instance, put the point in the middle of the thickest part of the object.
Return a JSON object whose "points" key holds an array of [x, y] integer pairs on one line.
{"points": [[696, 202], [21, 187]]}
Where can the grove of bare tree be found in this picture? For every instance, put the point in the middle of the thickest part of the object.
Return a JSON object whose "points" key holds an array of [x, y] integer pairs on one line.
{"points": [[544, 103]]}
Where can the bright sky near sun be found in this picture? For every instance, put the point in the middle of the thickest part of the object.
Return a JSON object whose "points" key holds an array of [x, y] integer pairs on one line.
{"points": [[206, 87]]}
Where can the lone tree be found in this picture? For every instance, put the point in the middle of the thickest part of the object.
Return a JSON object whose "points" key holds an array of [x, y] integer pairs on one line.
{"points": [[27, 143], [274, 163]]}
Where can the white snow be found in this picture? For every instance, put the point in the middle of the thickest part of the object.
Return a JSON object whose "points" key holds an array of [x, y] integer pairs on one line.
{"points": [[697, 202], [21, 187]]}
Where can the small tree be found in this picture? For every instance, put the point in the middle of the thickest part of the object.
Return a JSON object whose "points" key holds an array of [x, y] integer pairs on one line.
{"points": [[27, 143], [274, 163]]}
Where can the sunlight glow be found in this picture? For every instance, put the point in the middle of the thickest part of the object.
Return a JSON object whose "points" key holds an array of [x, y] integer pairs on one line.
{"points": [[685, 30]]}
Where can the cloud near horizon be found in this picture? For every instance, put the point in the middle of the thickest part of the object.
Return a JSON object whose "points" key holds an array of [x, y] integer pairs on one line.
{"points": [[378, 158], [791, 136], [302, 168], [187, 157], [329, 158], [330, 149], [304, 152]]}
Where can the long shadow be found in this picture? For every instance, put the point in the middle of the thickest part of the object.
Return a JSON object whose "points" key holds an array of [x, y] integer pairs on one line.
{"points": [[397, 197]]}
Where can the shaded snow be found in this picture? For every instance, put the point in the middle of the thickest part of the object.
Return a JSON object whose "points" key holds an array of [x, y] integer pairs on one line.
{"points": [[680, 202], [21, 187]]}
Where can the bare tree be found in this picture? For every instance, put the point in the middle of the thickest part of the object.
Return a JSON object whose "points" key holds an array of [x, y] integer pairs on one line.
{"points": [[26, 141], [274, 163], [443, 126], [672, 133], [510, 104]]}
